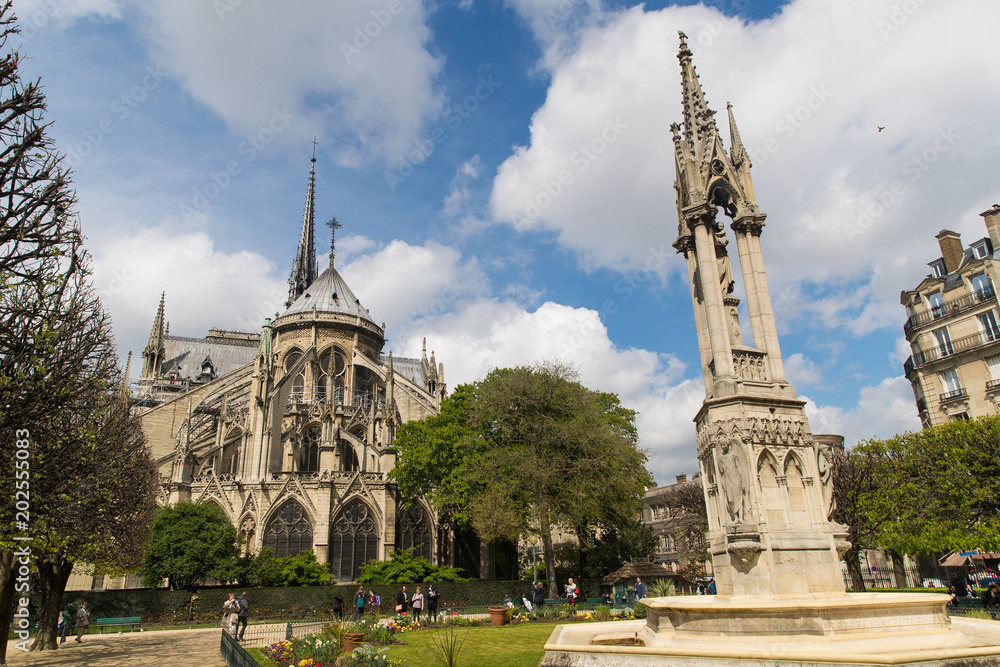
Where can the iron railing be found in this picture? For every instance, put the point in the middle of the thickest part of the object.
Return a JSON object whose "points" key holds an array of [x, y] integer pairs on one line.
{"points": [[953, 347], [234, 654], [947, 309], [952, 395]]}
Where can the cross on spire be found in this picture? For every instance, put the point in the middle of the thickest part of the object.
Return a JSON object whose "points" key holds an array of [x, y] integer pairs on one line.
{"points": [[334, 225]]}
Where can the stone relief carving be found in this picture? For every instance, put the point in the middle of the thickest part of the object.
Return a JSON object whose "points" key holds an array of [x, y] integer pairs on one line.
{"points": [[733, 467], [749, 365], [824, 460]]}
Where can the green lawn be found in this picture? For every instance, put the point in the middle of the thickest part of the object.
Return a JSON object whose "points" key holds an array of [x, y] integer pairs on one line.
{"points": [[507, 646]]}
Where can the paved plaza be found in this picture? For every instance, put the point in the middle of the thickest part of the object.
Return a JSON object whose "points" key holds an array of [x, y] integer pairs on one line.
{"points": [[176, 648]]}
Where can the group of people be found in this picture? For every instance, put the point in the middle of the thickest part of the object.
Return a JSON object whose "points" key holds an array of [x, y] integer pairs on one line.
{"points": [[415, 604], [71, 616], [235, 613]]}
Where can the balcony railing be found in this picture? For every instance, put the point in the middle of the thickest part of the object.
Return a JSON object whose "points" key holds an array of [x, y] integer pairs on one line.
{"points": [[952, 395], [954, 347], [947, 309], [992, 384]]}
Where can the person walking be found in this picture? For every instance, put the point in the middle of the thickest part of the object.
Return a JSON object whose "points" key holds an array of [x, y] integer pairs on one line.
{"points": [[230, 614], [539, 595], [82, 621], [418, 604], [243, 615], [572, 590], [432, 602], [338, 606], [401, 601], [640, 589], [69, 613], [359, 602]]}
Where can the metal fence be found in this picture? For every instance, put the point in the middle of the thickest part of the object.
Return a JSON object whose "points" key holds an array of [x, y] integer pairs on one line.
{"points": [[883, 577], [271, 633], [234, 654]]}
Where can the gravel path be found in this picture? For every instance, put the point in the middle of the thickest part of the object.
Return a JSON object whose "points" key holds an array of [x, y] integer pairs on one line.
{"points": [[173, 648]]}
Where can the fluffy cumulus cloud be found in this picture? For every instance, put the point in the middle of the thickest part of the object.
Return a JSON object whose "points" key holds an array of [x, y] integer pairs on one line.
{"points": [[883, 410], [362, 66], [205, 287], [852, 210], [357, 73]]}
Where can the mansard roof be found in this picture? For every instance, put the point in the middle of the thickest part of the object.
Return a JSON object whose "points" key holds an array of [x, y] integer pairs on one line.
{"points": [[329, 294]]}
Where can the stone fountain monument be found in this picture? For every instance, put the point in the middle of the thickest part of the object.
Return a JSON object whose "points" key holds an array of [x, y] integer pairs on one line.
{"points": [[776, 554]]}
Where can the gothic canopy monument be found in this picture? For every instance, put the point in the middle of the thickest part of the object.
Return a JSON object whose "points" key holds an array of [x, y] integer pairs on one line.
{"points": [[767, 481]]}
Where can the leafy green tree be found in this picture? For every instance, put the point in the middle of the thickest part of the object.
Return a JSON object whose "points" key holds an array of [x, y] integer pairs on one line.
{"points": [[940, 489], [405, 568], [301, 570], [189, 543], [859, 479], [249, 570], [524, 450]]}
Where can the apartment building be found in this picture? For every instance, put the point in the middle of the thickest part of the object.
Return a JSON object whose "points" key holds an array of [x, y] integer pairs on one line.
{"points": [[953, 329]]}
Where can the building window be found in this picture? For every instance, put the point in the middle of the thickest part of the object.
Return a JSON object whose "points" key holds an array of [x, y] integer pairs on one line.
{"points": [[413, 531], [936, 304], [309, 452], [289, 531], [937, 268], [960, 416], [994, 365], [979, 249], [943, 341], [988, 325], [950, 383], [353, 541], [981, 285]]}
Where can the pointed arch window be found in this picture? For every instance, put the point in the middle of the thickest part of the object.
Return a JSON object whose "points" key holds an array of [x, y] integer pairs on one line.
{"points": [[348, 459], [322, 376], [231, 453], [309, 451], [413, 530], [297, 393], [289, 531], [353, 541], [339, 372]]}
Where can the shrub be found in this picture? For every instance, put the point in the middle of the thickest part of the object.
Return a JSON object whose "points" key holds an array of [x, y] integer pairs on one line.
{"points": [[602, 613], [639, 611]]}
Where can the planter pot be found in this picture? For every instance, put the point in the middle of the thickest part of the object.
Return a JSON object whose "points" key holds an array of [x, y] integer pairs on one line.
{"points": [[498, 615]]}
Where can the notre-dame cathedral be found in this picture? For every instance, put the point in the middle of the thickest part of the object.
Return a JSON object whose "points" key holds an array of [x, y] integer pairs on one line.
{"points": [[290, 429]]}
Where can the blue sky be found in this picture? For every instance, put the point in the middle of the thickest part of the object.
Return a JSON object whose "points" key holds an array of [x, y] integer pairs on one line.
{"points": [[189, 127]]}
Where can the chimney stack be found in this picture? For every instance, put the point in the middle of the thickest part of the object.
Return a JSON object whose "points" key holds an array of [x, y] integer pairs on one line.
{"points": [[951, 249], [652, 486], [681, 478], [992, 217]]}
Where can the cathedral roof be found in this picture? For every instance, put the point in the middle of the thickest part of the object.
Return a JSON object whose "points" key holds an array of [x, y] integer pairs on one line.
{"points": [[186, 355], [329, 294]]}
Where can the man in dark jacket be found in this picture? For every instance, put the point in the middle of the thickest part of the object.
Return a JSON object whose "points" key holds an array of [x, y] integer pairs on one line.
{"points": [[432, 603], [338, 606], [539, 595], [242, 615]]}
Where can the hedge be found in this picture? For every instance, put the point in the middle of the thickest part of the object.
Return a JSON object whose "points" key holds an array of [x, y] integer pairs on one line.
{"points": [[160, 606]]}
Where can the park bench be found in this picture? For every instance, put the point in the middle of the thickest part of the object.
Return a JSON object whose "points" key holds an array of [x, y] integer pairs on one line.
{"points": [[130, 621]]}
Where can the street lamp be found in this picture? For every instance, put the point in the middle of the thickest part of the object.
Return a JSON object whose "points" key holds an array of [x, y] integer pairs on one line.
{"points": [[534, 568]]}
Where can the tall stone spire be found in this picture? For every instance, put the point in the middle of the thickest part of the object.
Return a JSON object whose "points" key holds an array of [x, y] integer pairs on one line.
{"points": [[304, 268], [699, 119], [153, 354]]}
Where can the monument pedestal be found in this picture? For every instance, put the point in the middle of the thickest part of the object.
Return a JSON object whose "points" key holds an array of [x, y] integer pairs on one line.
{"points": [[824, 629]]}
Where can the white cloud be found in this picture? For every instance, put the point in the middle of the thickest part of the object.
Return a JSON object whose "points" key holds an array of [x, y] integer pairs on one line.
{"points": [[852, 211], [802, 371], [205, 287], [882, 411]]}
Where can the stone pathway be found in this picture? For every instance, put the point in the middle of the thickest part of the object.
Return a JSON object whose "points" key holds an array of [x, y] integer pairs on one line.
{"points": [[173, 648]]}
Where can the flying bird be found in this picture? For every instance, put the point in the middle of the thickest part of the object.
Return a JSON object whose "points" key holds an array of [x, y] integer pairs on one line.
{"points": [[880, 128]]}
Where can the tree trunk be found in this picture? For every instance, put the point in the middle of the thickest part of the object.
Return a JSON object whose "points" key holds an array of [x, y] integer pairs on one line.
{"points": [[853, 560], [898, 569], [53, 573], [6, 599]]}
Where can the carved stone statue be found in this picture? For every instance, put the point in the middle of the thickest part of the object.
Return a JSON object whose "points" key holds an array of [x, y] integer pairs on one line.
{"points": [[824, 459], [733, 470], [726, 281]]}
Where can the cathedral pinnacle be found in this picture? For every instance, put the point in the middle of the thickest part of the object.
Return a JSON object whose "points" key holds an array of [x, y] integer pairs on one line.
{"points": [[699, 119], [304, 268], [155, 349]]}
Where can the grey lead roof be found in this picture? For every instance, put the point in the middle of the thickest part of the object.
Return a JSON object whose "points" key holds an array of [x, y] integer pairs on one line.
{"points": [[185, 355], [329, 294]]}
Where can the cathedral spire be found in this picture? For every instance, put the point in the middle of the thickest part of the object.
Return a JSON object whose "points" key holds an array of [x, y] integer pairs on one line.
{"points": [[304, 268], [699, 119], [737, 151], [155, 348]]}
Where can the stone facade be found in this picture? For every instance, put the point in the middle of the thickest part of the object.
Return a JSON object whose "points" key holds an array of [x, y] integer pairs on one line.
{"points": [[953, 329], [290, 430], [679, 532]]}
